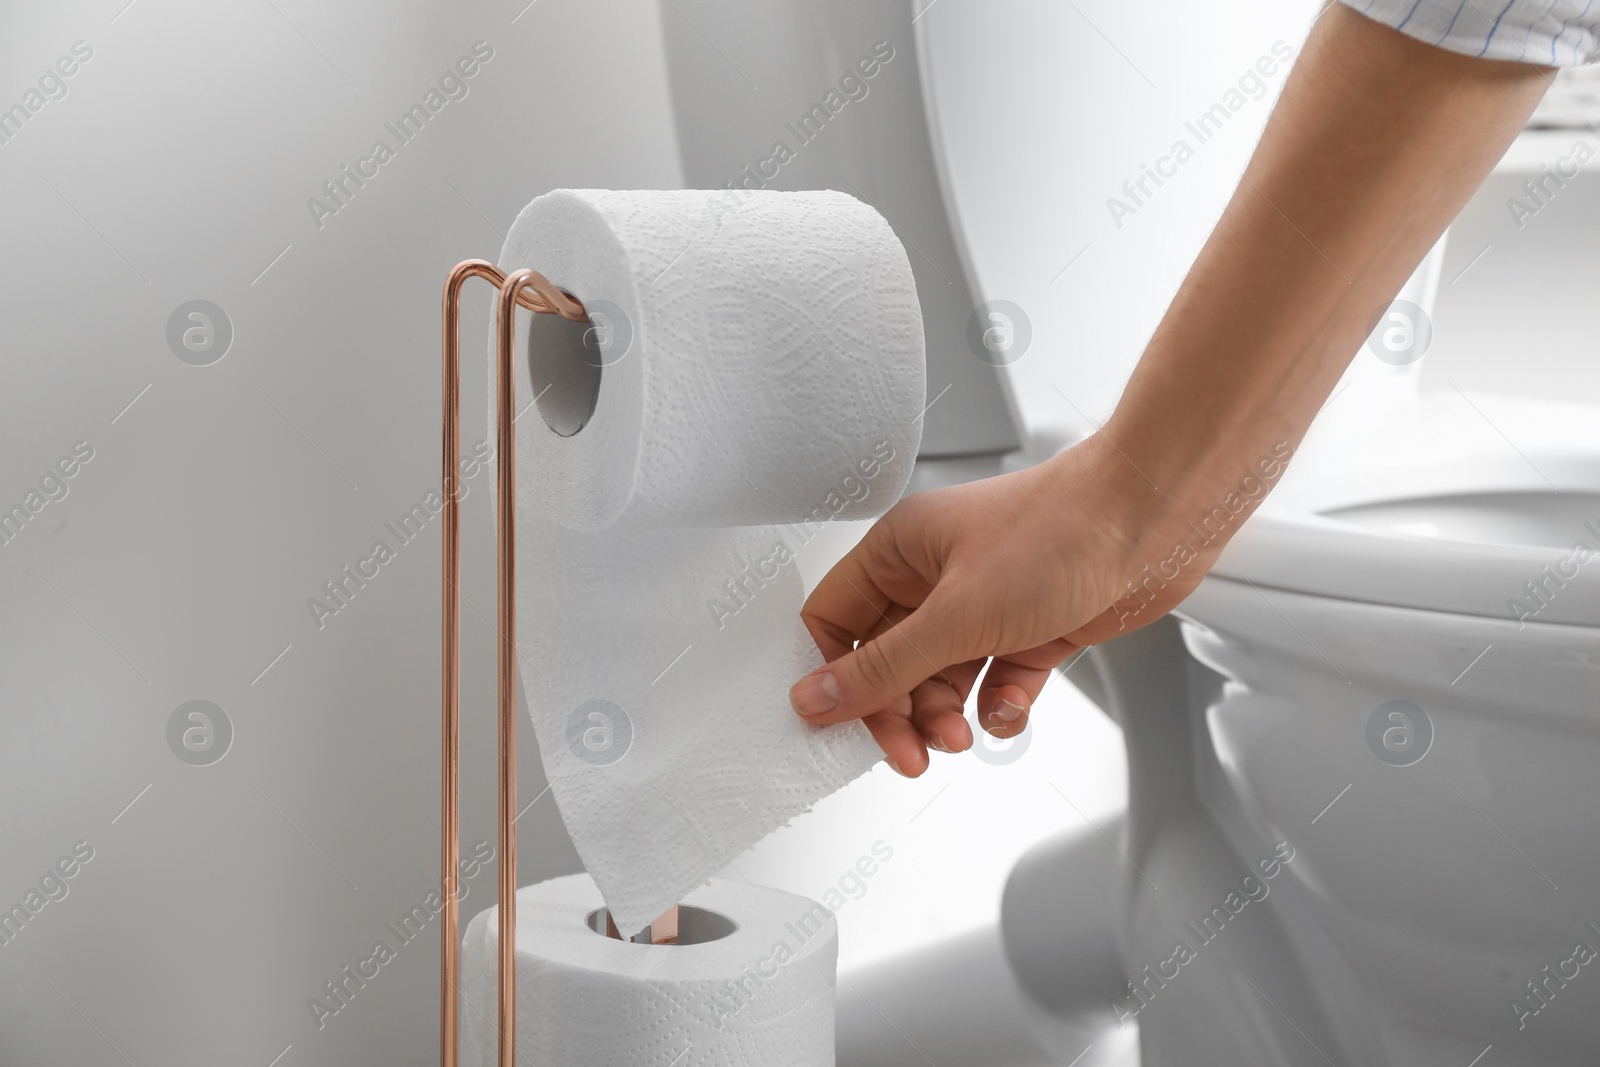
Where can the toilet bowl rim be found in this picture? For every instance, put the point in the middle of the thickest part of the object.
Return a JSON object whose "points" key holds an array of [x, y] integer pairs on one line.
{"points": [[1299, 543]]}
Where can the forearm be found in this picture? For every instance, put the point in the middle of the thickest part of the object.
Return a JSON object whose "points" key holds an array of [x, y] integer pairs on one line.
{"points": [[1376, 144]]}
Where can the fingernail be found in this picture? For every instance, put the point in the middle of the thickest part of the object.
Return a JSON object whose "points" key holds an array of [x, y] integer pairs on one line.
{"points": [[893, 766], [1006, 711], [934, 742], [816, 693]]}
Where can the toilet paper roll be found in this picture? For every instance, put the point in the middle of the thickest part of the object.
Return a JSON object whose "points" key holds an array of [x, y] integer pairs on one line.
{"points": [[761, 993], [753, 355], [756, 368]]}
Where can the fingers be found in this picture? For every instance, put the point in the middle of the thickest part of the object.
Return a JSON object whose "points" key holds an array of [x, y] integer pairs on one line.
{"points": [[1012, 684], [931, 717], [875, 597], [903, 747], [859, 682], [938, 707], [851, 601], [934, 710]]}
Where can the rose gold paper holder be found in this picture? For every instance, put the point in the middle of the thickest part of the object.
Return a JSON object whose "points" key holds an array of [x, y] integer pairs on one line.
{"points": [[529, 289]]}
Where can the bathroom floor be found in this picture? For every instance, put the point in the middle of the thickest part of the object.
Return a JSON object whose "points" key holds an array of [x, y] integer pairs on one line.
{"points": [[955, 1004]]}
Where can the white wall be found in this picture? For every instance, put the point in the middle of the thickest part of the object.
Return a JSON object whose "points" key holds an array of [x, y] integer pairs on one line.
{"points": [[1514, 311], [179, 565]]}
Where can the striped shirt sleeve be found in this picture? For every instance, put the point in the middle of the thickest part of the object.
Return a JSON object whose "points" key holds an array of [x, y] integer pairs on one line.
{"points": [[1557, 33]]}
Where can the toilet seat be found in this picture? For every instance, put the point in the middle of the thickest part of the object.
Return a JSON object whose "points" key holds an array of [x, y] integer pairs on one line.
{"points": [[1479, 498]]}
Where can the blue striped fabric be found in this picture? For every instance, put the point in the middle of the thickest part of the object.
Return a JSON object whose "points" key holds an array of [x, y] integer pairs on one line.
{"points": [[1559, 33]]}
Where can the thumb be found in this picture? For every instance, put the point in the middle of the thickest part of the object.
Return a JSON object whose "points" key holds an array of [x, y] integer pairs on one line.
{"points": [[879, 671]]}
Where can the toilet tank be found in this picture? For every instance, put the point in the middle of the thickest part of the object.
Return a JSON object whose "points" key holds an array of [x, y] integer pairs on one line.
{"points": [[826, 94], [1089, 148]]}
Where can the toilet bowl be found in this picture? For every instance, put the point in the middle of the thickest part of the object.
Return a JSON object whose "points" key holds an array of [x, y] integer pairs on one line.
{"points": [[1364, 763]]}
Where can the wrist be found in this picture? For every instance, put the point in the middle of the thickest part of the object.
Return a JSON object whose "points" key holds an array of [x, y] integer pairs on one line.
{"points": [[1172, 507]]}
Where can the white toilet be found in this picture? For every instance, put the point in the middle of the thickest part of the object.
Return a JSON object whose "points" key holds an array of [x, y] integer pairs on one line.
{"points": [[1369, 794]]}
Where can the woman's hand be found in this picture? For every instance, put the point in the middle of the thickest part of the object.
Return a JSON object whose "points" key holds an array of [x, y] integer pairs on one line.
{"points": [[1025, 568]]}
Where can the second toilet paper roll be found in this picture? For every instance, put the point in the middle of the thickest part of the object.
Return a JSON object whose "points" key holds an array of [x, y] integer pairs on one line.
{"points": [[756, 369], [752, 982]]}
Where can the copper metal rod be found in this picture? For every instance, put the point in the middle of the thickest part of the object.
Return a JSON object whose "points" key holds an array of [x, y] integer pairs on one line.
{"points": [[505, 464], [450, 704], [529, 289]]}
